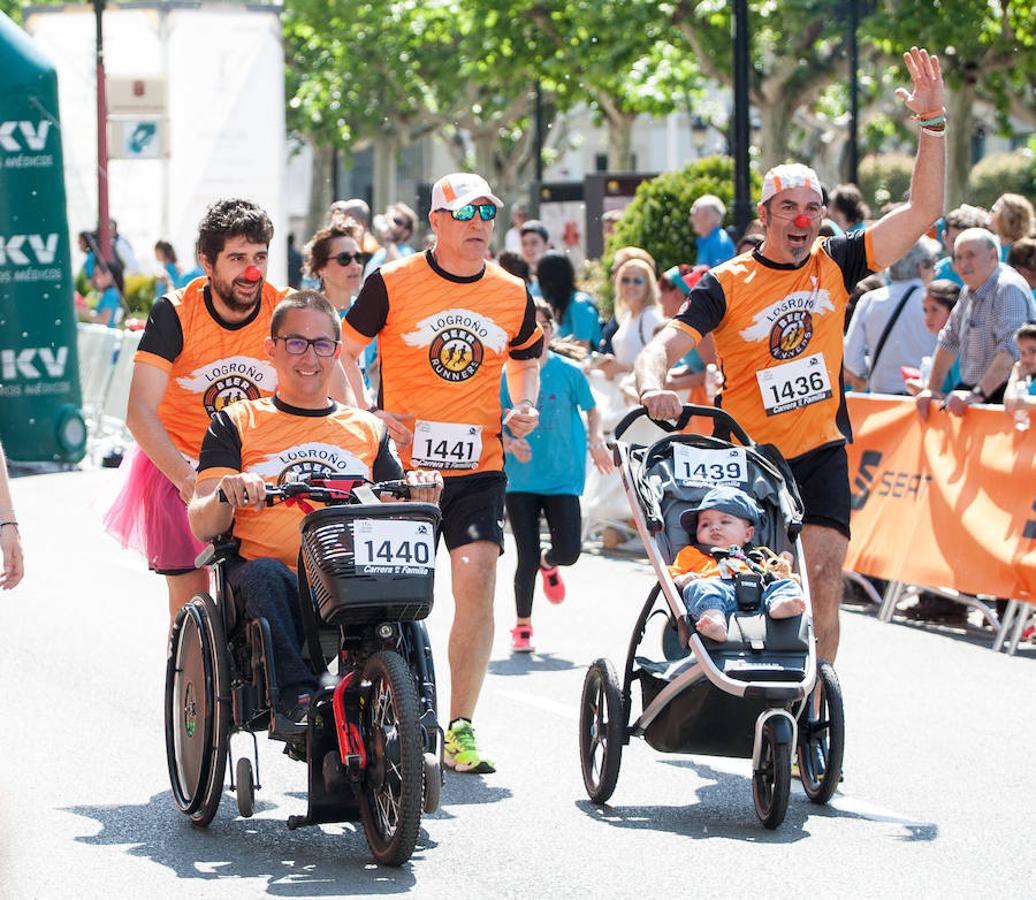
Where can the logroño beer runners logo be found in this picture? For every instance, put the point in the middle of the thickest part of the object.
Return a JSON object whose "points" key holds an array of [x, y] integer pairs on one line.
{"points": [[457, 340], [788, 325], [314, 459], [226, 381]]}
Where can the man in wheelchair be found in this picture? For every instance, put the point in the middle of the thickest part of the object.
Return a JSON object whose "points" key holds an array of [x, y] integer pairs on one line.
{"points": [[298, 432]]}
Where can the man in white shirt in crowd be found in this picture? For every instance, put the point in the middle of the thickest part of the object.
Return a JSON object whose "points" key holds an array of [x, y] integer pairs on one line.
{"points": [[887, 330]]}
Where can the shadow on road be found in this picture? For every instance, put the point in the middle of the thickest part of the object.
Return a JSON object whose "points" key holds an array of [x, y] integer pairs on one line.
{"points": [[711, 816], [307, 862], [527, 663]]}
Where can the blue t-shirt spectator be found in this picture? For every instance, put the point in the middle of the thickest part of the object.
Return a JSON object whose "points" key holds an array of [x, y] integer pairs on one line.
{"points": [[944, 269], [110, 301], [558, 463], [581, 321], [715, 248], [187, 277], [378, 259]]}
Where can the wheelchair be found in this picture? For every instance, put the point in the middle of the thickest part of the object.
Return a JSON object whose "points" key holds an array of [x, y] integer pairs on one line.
{"points": [[372, 743]]}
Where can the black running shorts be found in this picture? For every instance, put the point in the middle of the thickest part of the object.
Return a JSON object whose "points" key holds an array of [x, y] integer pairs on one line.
{"points": [[473, 509], [823, 480]]}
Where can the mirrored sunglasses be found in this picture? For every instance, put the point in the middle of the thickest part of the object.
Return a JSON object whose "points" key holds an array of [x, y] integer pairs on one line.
{"points": [[296, 346], [634, 279], [486, 212], [344, 259]]}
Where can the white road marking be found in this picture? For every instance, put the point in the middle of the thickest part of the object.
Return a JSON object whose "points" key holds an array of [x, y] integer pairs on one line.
{"points": [[552, 706]]}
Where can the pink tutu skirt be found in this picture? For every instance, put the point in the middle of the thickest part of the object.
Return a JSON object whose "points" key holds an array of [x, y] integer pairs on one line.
{"points": [[148, 516]]}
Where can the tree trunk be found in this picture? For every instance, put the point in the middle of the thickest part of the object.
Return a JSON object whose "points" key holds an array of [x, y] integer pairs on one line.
{"points": [[775, 130], [485, 142], [320, 188], [620, 141], [386, 151], [959, 103]]}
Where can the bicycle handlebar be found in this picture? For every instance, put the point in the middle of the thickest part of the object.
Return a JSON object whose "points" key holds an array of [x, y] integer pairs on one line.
{"points": [[324, 490]]}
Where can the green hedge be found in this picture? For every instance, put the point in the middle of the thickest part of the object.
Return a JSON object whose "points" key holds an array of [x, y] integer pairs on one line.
{"points": [[1002, 173], [659, 218], [885, 178]]}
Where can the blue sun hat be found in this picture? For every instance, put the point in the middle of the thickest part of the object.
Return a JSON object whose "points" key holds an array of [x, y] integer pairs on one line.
{"points": [[727, 499]]}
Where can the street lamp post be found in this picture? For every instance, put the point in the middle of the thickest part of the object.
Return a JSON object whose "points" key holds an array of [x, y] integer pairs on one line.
{"points": [[741, 135], [853, 154], [103, 218]]}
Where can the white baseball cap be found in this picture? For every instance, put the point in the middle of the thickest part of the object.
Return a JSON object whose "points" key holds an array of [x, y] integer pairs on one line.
{"points": [[788, 176], [459, 189]]}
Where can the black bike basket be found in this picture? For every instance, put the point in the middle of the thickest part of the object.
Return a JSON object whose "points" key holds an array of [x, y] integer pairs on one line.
{"points": [[371, 563]]}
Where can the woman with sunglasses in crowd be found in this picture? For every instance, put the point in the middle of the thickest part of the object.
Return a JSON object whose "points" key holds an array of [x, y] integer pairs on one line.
{"points": [[637, 313], [334, 259]]}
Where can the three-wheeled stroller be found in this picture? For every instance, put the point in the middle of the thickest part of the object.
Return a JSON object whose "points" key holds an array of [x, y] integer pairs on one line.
{"points": [[762, 694], [372, 743]]}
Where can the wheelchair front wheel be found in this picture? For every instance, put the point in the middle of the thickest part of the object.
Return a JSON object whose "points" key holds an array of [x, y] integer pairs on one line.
{"points": [[197, 717], [393, 784]]}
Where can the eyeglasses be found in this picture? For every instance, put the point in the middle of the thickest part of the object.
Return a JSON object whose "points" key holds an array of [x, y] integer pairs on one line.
{"points": [[486, 212], [296, 346], [813, 213], [344, 259], [401, 222], [636, 279]]}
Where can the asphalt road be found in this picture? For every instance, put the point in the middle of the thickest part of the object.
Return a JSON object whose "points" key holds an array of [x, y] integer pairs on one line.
{"points": [[937, 799]]}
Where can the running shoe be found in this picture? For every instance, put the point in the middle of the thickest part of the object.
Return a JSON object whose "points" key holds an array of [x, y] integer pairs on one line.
{"points": [[460, 752], [553, 586], [521, 639]]}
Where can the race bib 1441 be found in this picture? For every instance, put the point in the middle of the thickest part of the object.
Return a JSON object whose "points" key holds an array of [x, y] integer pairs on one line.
{"points": [[446, 445]]}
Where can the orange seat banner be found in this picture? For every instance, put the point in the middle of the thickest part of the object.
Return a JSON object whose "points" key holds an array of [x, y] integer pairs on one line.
{"points": [[950, 503]]}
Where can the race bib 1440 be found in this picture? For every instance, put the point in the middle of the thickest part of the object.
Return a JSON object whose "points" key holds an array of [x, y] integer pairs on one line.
{"points": [[393, 547]]}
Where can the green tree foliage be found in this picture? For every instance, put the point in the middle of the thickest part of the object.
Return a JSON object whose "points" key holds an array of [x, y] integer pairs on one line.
{"points": [[658, 218], [885, 178], [796, 50], [986, 49]]}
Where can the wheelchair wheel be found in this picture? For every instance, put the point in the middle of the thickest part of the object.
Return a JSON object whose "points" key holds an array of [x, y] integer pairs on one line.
{"points": [[393, 784], [245, 782], [601, 728], [197, 715], [771, 782], [822, 737]]}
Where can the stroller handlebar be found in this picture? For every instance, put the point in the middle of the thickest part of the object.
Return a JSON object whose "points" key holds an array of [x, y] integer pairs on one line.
{"points": [[719, 416]]}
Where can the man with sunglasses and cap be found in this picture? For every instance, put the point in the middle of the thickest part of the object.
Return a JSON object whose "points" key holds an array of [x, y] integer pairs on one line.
{"points": [[202, 350], [776, 317], [449, 327]]}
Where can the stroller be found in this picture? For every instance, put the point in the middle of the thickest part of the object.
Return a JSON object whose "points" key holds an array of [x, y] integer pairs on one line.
{"points": [[762, 694]]}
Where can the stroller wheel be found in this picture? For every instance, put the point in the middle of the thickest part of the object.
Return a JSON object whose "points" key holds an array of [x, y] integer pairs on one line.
{"points": [[822, 736], [771, 782], [601, 731]]}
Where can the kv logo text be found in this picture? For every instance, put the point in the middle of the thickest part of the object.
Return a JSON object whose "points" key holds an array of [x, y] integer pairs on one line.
{"points": [[18, 136], [13, 249]]}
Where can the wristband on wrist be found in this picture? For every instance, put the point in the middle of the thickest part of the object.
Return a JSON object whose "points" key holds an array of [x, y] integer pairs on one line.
{"points": [[933, 121], [934, 132], [980, 394], [931, 114]]}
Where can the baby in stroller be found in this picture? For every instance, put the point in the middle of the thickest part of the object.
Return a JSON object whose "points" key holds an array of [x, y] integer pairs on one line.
{"points": [[725, 521]]}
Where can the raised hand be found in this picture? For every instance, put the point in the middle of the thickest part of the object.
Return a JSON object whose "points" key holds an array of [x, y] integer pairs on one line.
{"points": [[928, 94]]}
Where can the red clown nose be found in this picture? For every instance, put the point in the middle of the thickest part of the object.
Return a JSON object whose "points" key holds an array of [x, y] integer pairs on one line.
{"points": [[252, 273], [800, 221]]}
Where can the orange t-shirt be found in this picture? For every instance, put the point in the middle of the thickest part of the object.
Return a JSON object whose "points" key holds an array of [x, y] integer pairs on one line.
{"points": [[778, 331], [283, 443], [691, 559], [211, 363], [443, 341]]}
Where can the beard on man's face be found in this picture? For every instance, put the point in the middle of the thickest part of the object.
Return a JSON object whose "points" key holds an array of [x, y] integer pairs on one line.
{"points": [[240, 295]]}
